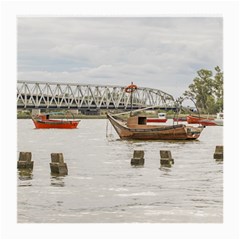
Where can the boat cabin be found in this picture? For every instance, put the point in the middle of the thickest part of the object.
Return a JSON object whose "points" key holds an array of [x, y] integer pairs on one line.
{"points": [[162, 115], [44, 117], [219, 115], [137, 121]]}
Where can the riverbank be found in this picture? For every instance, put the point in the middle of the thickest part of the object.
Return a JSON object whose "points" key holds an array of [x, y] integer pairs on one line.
{"points": [[61, 116], [103, 116]]}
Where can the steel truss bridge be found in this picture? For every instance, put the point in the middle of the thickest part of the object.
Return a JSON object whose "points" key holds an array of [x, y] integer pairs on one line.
{"points": [[44, 95]]}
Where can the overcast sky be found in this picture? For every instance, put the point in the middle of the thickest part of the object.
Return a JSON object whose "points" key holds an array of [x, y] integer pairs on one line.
{"points": [[163, 53]]}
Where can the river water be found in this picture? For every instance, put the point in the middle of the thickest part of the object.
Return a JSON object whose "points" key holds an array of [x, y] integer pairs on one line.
{"points": [[103, 187]]}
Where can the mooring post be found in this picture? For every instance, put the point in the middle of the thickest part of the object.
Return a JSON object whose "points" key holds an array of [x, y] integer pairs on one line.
{"points": [[218, 155], [57, 165], [166, 158], [138, 158], [25, 161]]}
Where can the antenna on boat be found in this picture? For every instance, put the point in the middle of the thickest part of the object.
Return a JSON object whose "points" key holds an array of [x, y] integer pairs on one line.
{"points": [[130, 89]]}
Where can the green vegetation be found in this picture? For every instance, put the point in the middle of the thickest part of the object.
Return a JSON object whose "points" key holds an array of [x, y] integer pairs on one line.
{"points": [[27, 115], [207, 91], [24, 114]]}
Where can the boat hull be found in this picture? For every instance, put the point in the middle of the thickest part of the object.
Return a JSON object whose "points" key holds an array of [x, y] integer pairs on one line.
{"points": [[197, 120], [55, 124], [208, 123], [171, 132]]}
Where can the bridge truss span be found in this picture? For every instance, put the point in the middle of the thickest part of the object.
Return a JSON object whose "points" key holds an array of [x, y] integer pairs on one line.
{"points": [[45, 95]]}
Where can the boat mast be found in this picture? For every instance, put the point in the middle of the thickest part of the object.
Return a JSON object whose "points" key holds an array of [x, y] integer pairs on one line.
{"points": [[131, 99], [130, 89]]}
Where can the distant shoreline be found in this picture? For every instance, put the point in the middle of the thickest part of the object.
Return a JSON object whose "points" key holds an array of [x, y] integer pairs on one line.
{"points": [[75, 117], [170, 116]]}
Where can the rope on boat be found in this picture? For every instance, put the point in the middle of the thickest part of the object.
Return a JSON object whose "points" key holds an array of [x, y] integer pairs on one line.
{"points": [[110, 135], [107, 128], [137, 110]]}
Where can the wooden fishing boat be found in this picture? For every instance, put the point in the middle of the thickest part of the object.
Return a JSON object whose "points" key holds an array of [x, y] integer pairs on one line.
{"points": [[136, 128], [160, 119], [44, 121]]}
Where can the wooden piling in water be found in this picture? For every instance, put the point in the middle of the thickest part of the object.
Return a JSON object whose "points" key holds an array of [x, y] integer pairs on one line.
{"points": [[166, 158], [57, 164], [218, 155], [138, 158], [25, 161]]}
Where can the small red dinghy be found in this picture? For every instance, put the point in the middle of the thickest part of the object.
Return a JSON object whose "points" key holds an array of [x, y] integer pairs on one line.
{"points": [[196, 120], [44, 121]]}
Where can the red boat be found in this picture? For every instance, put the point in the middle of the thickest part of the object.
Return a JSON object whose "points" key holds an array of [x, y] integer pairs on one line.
{"points": [[180, 119], [207, 122], [196, 119], [213, 122], [44, 121], [161, 118]]}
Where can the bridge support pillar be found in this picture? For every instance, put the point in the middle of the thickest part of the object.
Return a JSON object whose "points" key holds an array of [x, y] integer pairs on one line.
{"points": [[36, 111], [25, 161], [218, 155], [166, 158], [58, 166], [138, 158]]}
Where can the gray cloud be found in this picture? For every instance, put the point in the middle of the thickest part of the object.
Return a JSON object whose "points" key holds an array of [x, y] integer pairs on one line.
{"points": [[163, 53]]}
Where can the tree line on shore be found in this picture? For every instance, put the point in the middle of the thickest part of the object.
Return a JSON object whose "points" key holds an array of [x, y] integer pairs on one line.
{"points": [[207, 91]]}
